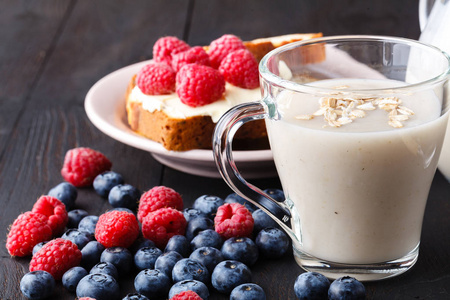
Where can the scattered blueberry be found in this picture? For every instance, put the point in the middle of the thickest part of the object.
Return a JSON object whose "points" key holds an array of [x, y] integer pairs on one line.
{"points": [[124, 195], [311, 286], [104, 182], [38, 247], [178, 243], [241, 249], [228, 274], [235, 198], [135, 296], [141, 243], [66, 193], [37, 285], [248, 291], [79, 238], [190, 285], [192, 213], [145, 257], [276, 194], [99, 287], [72, 277], [206, 238], [120, 257], [166, 261], [207, 256], [346, 288], [262, 220], [153, 284], [186, 269], [90, 254], [105, 268], [272, 242], [196, 225], [88, 224], [208, 204], [75, 217]]}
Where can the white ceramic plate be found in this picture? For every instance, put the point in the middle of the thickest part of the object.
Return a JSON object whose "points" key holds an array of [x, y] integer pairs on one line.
{"points": [[105, 107]]}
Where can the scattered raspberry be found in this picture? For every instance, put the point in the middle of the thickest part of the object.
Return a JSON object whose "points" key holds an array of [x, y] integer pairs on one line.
{"points": [[221, 47], [160, 225], [199, 85], [156, 198], [56, 257], [186, 295], [116, 229], [195, 55], [233, 220], [167, 46], [156, 79], [56, 212], [82, 165], [240, 68], [26, 231]]}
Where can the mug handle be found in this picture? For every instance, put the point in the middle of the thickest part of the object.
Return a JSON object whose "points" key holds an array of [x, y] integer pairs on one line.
{"points": [[224, 132]]}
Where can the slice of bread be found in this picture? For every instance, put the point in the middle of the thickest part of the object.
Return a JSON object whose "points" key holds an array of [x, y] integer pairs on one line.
{"points": [[181, 134]]}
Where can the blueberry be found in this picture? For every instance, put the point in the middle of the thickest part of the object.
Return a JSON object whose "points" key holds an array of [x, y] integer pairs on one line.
{"points": [[206, 238], [141, 243], [79, 238], [104, 182], [90, 254], [105, 268], [262, 220], [120, 257], [88, 223], [241, 249], [186, 269], [37, 285], [75, 217], [72, 277], [145, 257], [192, 213], [228, 274], [272, 242], [135, 296], [66, 193], [99, 287], [235, 198], [311, 286], [207, 256], [276, 194], [208, 204], [248, 291], [166, 261], [124, 195], [346, 288], [190, 285], [178, 243], [153, 284], [38, 247], [196, 225]]}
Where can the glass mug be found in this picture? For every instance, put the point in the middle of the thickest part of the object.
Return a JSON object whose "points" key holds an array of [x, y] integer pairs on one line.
{"points": [[355, 125]]}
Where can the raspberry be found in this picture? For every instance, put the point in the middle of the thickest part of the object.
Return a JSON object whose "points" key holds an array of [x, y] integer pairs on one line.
{"points": [[221, 47], [186, 295], [156, 79], [167, 46], [117, 229], [160, 225], [56, 212], [233, 220], [26, 231], [199, 85], [240, 68], [56, 257], [195, 55], [82, 165], [156, 198]]}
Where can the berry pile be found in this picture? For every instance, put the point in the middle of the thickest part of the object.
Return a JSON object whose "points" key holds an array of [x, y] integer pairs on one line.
{"points": [[173, 252], [197, 75]]}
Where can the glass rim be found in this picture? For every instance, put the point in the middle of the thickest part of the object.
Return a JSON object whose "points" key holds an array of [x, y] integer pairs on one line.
{"points": [[305, 87]]}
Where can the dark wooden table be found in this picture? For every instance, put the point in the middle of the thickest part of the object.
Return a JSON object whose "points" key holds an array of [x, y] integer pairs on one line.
{"points": [[53, 51]]}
